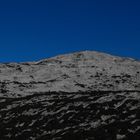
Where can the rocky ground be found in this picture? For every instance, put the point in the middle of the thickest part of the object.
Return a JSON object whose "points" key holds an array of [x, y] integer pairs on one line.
{"points": [[72, 116], [80, 96]]}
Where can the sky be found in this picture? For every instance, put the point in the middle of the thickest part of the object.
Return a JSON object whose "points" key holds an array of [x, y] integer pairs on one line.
{"points": [[31, 30]]}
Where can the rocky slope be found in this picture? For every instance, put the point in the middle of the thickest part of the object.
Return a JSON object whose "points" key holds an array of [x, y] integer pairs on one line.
{"points": [[80, 96]]}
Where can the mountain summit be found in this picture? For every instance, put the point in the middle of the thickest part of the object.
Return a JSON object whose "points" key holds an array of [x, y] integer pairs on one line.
{"points": [[81, 71]]}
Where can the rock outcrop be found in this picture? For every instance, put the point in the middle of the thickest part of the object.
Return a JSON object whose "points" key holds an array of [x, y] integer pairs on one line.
{"points": [[80, 96]]}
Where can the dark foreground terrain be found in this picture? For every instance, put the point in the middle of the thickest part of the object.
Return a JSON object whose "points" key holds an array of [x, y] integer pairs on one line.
{"points": [[104, 115]]}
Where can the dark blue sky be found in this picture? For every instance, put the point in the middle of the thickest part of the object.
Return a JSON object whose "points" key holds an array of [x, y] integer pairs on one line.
{"points": [[36, 29]]}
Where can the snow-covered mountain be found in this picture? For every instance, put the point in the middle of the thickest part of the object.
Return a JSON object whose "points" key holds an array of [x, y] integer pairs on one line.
{"points": [[80, 96], [82, 71]]}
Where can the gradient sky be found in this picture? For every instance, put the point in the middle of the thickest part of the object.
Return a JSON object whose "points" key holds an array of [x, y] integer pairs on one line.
{"points": [[34, 29]]}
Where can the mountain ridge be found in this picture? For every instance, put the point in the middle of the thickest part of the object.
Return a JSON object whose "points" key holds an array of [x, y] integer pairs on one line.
{"points": [[75, 52]]}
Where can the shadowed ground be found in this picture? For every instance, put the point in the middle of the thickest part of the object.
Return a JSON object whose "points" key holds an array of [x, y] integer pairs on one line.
{"points": [[97, 115]]}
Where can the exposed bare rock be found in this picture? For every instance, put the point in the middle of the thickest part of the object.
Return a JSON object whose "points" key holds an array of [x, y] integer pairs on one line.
{"points": [[81, 96]]}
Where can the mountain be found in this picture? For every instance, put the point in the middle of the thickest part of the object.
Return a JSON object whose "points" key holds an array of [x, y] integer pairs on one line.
{"points": [[82, 71], [79, 96]]}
